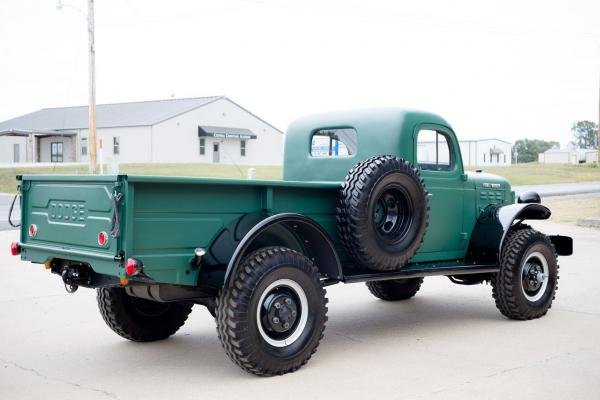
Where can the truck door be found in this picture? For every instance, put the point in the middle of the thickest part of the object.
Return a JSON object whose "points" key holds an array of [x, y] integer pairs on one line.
{"points": [[437, 155]]}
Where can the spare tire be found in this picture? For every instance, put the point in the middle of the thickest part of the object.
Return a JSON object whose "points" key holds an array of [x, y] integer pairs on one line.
{"points": [[382, 212]]}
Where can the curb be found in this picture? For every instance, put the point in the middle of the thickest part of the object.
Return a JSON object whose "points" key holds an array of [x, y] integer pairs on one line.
{"points": [[591, 222]]}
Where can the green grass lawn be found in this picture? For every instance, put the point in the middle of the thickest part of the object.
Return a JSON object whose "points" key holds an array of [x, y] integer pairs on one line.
{"points": [[8, 183], [522, 174], [536, 174], [571, 210]]}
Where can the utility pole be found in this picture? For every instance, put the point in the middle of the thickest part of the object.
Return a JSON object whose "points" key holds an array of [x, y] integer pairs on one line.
{"points": [[92, 145]]}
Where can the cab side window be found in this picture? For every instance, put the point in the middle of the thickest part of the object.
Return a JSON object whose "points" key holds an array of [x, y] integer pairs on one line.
{"points": [[434, 151]]}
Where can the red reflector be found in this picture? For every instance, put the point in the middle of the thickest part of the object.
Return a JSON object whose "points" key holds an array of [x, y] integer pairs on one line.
{"points": [[133, 266], [32, 230], [15, 248], [102, 238]]}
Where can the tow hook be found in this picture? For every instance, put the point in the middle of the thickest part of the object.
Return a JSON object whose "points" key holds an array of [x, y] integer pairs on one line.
{"points": [[72, 277], [69, 287]]}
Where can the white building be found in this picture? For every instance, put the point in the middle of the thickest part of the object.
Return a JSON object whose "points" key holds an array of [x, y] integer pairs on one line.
{"points": [[486, 152], [203, 130], [568, 156], [477, 153]]}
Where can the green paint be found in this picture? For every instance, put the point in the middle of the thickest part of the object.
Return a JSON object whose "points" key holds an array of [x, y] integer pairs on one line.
{"points": [[163, 219]]}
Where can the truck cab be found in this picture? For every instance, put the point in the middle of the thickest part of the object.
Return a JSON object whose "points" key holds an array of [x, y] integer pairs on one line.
{"points": [[325, 147]]}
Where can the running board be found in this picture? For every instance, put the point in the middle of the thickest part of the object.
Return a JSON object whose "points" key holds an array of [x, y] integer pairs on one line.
{"points": [[415, 272]]}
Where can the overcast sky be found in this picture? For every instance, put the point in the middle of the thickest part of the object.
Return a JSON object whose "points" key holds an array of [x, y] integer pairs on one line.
{"points": [[506, 69]]}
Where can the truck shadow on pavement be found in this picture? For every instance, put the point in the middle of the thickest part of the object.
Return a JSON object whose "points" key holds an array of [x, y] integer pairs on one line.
{"points": [[196, 351]]}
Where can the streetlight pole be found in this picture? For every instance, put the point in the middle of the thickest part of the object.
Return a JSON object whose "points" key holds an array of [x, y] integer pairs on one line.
{"points": [[92, 90]]}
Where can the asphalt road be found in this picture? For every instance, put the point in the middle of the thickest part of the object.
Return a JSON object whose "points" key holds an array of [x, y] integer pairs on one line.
{"points": [[449, 342], [560, 189]]}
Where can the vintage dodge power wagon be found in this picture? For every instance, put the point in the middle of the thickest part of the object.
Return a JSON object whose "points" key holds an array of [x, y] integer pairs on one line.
{"points": [[377, 196]]}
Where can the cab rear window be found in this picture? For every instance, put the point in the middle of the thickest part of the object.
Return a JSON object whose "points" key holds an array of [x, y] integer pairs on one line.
{"points": [[334, 142]]}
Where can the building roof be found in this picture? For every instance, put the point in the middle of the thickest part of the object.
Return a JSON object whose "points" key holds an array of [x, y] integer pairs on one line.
{"points": [[483, 140], [140, 113]]}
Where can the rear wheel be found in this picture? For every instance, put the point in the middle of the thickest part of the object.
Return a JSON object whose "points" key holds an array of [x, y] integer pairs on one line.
{"points": [[271, 317], [527, 281], [139, 319], [395, 289]]}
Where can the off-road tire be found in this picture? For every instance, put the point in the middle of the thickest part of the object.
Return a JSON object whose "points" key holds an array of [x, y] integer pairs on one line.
{"points": [[357, 224], [140, 320], [395, 289], [237, 311], [507, 284]]}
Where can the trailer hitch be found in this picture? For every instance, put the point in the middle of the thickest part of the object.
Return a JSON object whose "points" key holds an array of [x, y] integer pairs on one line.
{"points": [[73, 277]]}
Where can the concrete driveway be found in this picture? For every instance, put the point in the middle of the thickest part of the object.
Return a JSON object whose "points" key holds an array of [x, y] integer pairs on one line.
{"points": [[449, 342]]}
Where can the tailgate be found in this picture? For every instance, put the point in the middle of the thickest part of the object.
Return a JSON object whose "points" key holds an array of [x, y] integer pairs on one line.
{"points": [[67, 214]]}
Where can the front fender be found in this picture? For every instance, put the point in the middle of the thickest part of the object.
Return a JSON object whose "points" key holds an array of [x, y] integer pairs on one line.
{"points": [[494, 223]]}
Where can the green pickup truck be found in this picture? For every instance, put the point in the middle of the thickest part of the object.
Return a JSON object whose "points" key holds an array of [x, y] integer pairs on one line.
{"points": [[377, 196]]}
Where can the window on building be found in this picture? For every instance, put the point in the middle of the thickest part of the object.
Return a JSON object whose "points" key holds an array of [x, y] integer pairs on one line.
{"points": [[334, 142], [202, 147], [243, 148], [116, 146], [56, 152], [483, 157], [504, 158], [84, 146], [433, 151]]}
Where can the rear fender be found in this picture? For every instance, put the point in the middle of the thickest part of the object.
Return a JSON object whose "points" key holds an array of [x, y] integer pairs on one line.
{"points": [[295, 231], [493, 225]]}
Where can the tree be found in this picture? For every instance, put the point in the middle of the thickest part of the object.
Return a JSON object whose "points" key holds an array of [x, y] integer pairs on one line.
{"points": [[585, 134], [527, 150]]}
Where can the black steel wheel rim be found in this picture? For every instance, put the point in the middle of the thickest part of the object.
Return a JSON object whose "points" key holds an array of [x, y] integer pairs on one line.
{"points": [[392, 214], [534, 276], [280, 313]]}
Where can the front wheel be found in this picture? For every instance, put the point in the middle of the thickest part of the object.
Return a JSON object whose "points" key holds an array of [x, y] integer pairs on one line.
{"points": [[527, 281], [272, 315]]}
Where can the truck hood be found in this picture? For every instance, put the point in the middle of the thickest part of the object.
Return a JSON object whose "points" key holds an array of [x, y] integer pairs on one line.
{"points": [[484, 180], [491, 189]]}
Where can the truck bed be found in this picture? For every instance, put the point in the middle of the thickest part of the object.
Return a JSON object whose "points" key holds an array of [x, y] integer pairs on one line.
{"points": [[161, 219]]}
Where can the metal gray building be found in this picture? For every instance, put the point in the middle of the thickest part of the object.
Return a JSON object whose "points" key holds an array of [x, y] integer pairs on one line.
{"points": [[202, 129]]}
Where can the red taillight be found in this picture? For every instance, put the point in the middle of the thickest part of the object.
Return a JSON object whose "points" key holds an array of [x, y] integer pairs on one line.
{"points": [[32, 231], [102, 238], [15, 248], [133, 266]]}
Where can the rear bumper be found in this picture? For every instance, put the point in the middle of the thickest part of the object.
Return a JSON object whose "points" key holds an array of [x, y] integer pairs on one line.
{"points": [[106, 264], [77, 253]]}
